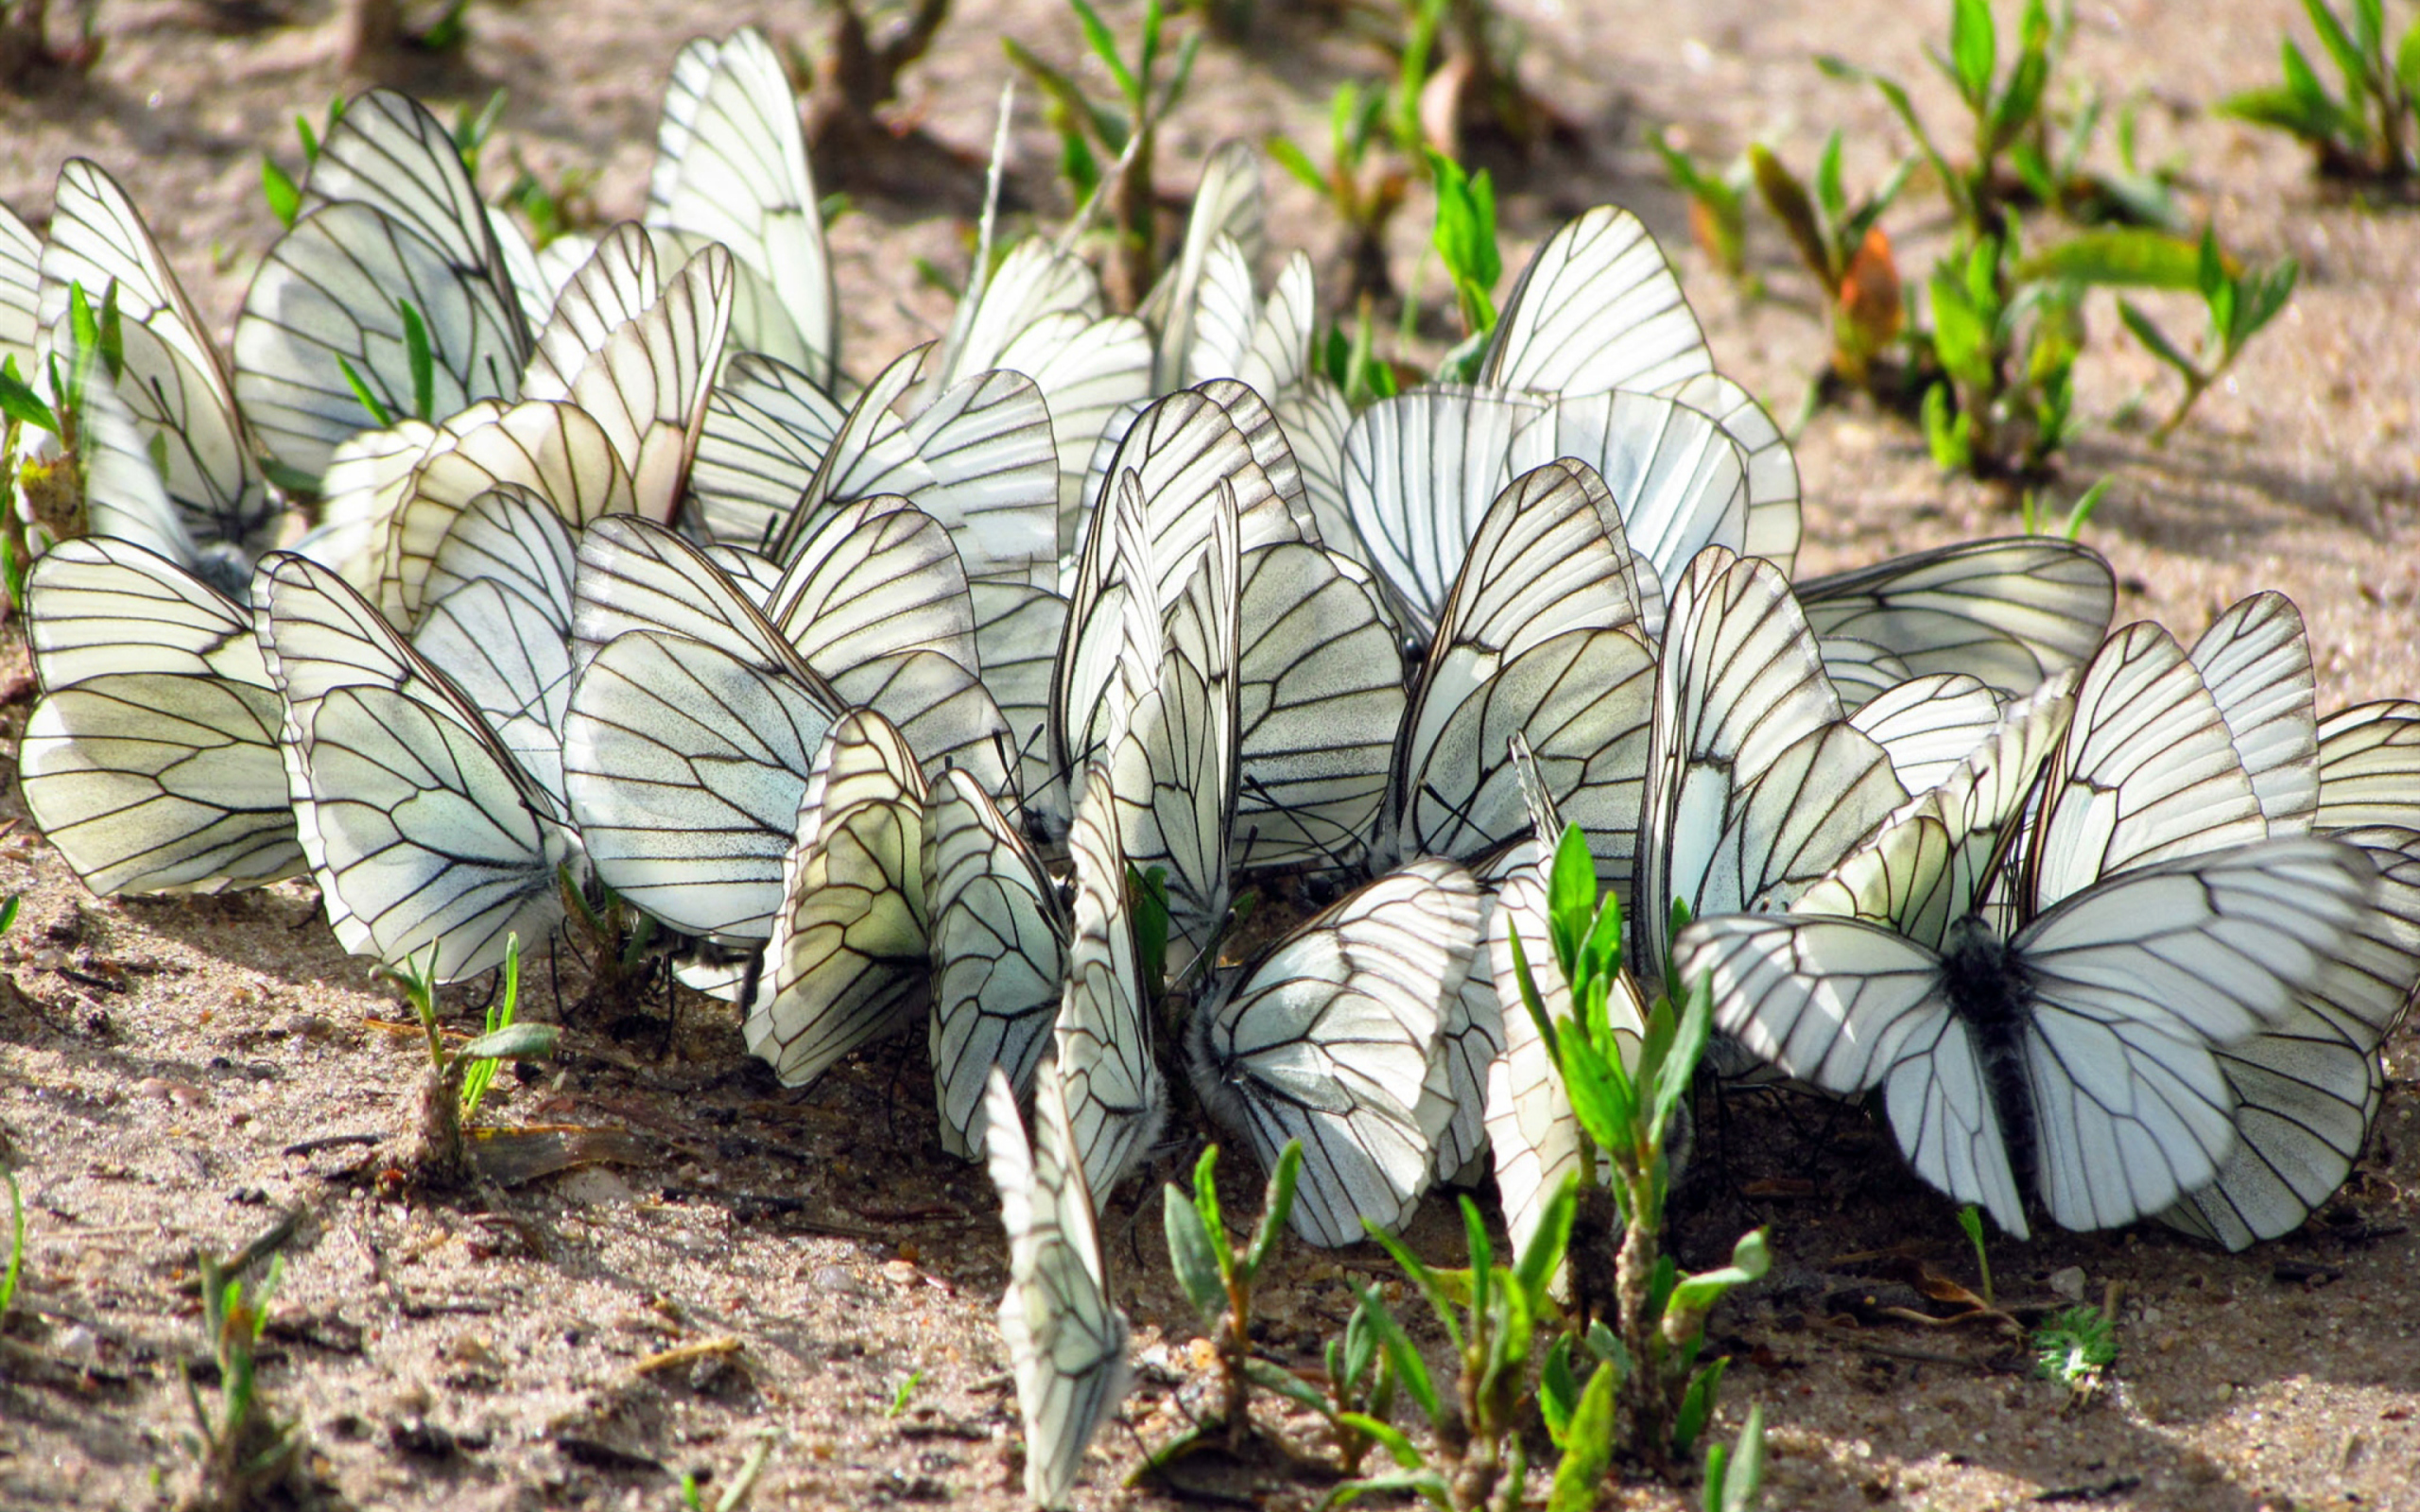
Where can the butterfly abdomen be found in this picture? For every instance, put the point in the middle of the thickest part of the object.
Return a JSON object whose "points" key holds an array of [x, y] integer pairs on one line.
{"points": [[1990, 991]]}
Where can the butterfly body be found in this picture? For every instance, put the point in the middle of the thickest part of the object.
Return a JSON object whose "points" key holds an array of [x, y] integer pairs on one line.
{"points": [[1989, 988]]}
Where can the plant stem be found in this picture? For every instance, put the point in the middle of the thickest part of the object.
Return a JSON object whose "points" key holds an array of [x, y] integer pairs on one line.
{"points": [[1649, 1431], [2195, 384]]}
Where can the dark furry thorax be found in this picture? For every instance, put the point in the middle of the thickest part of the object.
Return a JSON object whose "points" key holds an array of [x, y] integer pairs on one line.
{"points": [[1990, 991]]}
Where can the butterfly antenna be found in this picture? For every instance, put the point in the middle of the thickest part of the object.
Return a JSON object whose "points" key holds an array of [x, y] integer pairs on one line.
{"points": [[1460, 811], [1335, 859]]}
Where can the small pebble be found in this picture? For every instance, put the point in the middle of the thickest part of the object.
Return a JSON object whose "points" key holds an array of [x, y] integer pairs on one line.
{"points": [[2069, 1282]]}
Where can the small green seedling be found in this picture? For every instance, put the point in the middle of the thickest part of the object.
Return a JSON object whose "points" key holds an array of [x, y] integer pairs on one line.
{"points": [[1491, 1315], [2079, 515], [16, 1241], [693, 1488], [1123, 131], [1663, 1396], [441, 1159], [1362, 185], [1465, 238], [279, 187], [553, 209], [421, 358], [2368, 131], [1353, 363], [1718, 207], [1970, 1219], [906, 1393], [2239, 304], [2006, 349], [242, 1450], [1844, 246], [1218, 1279], [2074, 1347], [481, 1072]]}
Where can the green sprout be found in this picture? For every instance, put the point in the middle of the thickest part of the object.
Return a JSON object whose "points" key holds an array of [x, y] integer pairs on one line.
{"points": [[242, 1450], [2074, 1347], [2368, 132], [2239, 302], [441, 1157], [1361, 184], [1218, 1279]]}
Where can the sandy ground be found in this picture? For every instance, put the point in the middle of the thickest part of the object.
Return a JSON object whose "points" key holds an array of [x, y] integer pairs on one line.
{"points": [[160, 1062]]}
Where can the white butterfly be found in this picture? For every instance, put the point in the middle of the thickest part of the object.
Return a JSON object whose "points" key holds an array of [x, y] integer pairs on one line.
{"points": [[1756, 785], [731, 168], [1538, 638], [390, 218], [1597, 309], [2009, 612], [1331, 1038], [999, 941], [173, 382], [151, 759], [1066, 1341], [848, 960], [423, 831], [1115, 1096]]}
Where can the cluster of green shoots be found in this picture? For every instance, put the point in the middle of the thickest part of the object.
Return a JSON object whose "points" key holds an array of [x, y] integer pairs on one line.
{"points": [[1630, 1385], [53, 485], [2367, 134], [242, 1449], [1986, 359], [459, 1078]]}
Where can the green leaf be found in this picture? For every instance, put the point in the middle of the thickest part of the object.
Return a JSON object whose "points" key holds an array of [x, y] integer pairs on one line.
{"points": [[2341, 47], [1750, 1259], [1787, 198], [1600, 1098], [1150, 892], [1277, 1206], [1298, 163], [1408, 1367], [379, 413], [1205, 1200], [1558, 1391], [521, 1042], [1828, 191], [1743, 1476], [2120, 257], [1973, 44], [1193, 1256], [1425, 1484], [1533, 1270], [1571, 899], [284, 197], [1430, 1284], [2280, 109], [19, 402], [2155, 340], [1273, 1377], [1103, 44], [1946, 437], [1960, 338], [1680, 1065], [1589, 1447], [8, 912], [1697, 1405], [2407, 62], [423, 364]]}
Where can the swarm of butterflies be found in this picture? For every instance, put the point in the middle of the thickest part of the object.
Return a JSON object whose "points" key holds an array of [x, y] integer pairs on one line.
{"points": [[902, 704]]}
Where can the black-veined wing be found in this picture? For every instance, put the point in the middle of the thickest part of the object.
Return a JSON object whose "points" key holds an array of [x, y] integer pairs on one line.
{"points": [[1421, 472], [1755, 784], [389, 153], [1067, 1340], [424, 830], [20, 292], [1598, 308], [368, 478], [2369, 766], [1174, 775], [2100, 1017], [170, 374], [557, 451], [767, 427], [1226, 231], [1000, 939], [2148, 770], [1928, 866], [96, 605], [2009, 611], [1331, 1037], [2307, 1090], [731, 166], [1102, 1039], [1538, 639], [1678, 483], [1321, 698], [2256, 660], [870, 454], [848, 961], [332, 298], [640, 366], [1927, 725], [1773, 526], [498, 621], [1109, 647], [160, 781]]}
